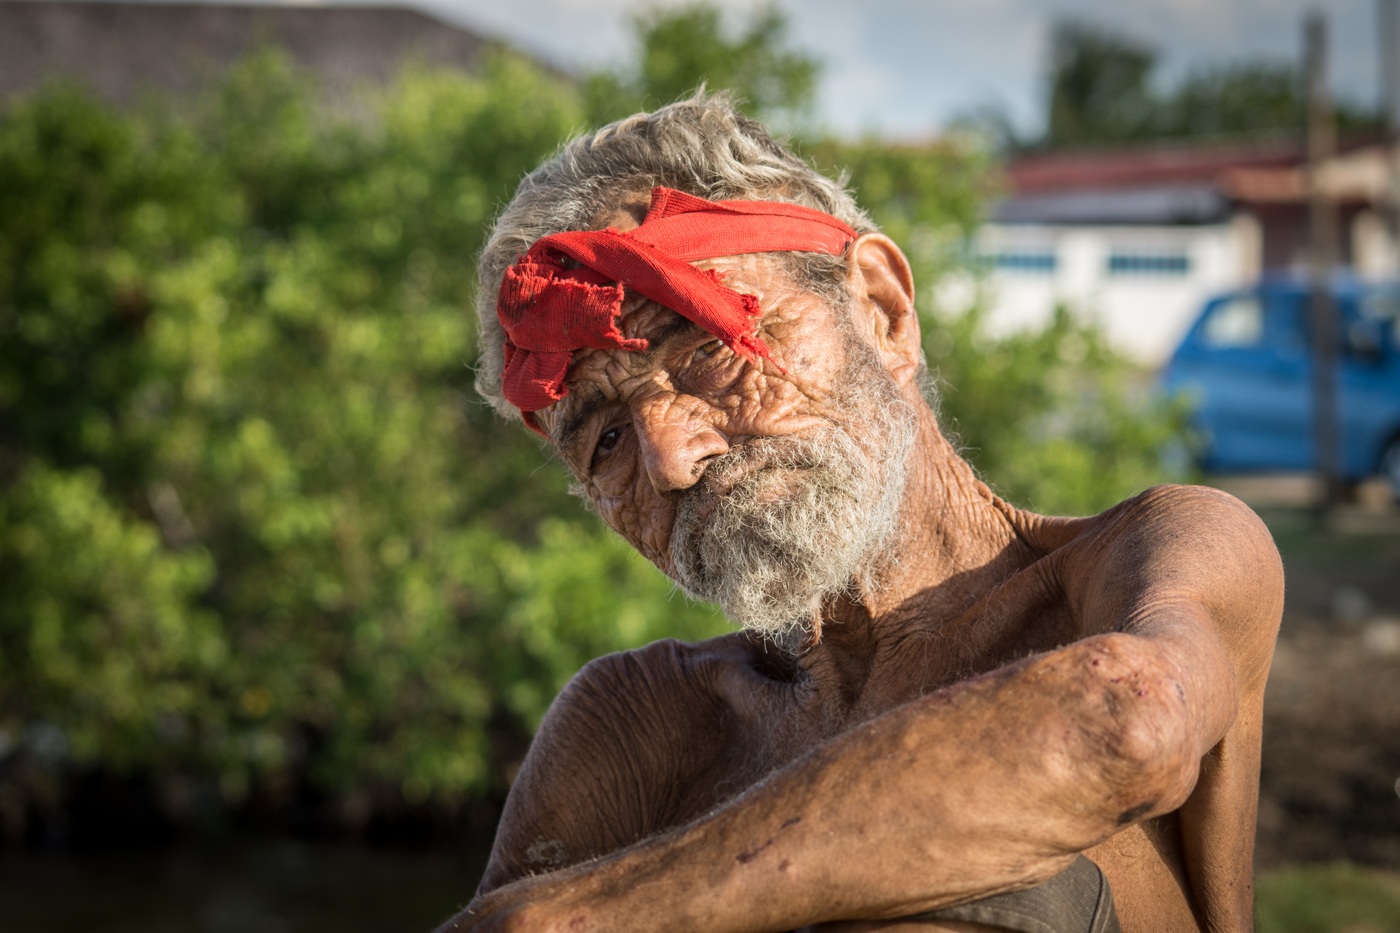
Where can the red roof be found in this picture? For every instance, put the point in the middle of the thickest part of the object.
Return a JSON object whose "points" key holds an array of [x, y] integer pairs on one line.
{"points": [[1141, 167]]}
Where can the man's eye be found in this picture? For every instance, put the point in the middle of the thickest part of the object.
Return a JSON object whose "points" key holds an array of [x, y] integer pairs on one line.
{"points": [[609, 439], [709, 349]]}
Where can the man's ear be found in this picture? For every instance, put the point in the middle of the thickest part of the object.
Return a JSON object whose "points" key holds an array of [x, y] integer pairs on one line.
{"points": [[881, 287]]}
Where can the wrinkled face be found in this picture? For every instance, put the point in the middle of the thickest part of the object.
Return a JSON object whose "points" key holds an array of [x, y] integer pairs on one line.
{"points": [[761, 490]]}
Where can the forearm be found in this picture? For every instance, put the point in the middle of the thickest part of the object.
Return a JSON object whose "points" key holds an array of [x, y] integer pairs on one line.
{"points": [[991, 785]]}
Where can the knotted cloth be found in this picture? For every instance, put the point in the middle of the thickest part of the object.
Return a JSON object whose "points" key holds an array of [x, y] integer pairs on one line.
{"points": [[566, 292]]}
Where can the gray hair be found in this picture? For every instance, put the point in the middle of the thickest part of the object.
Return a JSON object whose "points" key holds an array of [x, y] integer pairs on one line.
{"points": [[703, 146]]}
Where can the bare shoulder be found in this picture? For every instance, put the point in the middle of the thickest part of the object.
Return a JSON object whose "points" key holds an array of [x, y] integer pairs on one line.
{"points": [[619, 743], [1178, 509], [1167, 509], [1194, 540], [1175, 544]]}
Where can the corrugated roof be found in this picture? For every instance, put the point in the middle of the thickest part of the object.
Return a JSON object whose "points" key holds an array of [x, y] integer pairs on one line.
{"points": [[1179, 183], [1144, 167], [1162, 205]]}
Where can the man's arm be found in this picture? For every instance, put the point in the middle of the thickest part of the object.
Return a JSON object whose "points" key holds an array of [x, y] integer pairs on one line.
{"points": [[991, 785], [630, 748], [1202, 547]]}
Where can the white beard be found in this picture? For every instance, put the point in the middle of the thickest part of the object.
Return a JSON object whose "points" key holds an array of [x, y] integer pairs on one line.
{"points": [[805, 515]]}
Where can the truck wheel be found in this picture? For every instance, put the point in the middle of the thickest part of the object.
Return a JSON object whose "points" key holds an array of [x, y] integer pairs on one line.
{"points": [[1390, 466]]}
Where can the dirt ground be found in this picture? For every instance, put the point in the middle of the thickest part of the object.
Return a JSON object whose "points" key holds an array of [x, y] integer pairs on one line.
{"points": [[1330, 782]]}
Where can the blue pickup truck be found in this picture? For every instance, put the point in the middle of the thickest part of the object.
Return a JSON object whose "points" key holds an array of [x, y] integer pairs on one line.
{"points": [[1247, 363]]}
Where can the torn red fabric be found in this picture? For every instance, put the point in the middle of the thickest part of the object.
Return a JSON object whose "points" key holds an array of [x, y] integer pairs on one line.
{"points": [[549, 309]]}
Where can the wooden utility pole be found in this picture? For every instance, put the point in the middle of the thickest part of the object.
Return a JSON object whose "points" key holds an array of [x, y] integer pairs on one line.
{"points": [[1388, 27], [1322, 229], [1387, 23]]}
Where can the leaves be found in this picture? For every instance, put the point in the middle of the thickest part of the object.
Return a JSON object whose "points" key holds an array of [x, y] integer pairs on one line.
{"points": [[1053, 419], [1101, 92], [682, 47], [254, 525], [254, 520]]}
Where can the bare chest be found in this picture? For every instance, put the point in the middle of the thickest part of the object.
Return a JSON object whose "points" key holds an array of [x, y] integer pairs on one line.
{"points": [[770, 716]]}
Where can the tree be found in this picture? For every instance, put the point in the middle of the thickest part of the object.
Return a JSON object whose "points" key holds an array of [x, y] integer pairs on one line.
{"points": [[1098, 86], [681, 48], [1100, 92], [255, 531], [1245, 98]]}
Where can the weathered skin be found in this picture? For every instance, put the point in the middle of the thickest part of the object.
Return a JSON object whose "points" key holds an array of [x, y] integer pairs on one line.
{"points": [[1015, 690]]}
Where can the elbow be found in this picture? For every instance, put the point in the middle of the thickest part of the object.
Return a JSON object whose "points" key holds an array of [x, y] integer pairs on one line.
{"points": [[1136, 730]]}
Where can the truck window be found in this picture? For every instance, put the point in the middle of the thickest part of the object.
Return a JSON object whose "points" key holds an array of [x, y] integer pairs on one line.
{"points": [[1234, 323], [1381, 310]]}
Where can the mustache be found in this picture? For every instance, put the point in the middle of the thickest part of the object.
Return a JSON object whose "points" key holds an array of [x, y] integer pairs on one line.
{"points": [[740, 472], [740, 464]]}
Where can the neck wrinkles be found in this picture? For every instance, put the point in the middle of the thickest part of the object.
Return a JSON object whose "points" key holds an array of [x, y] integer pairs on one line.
{"points": [[955, 543]]}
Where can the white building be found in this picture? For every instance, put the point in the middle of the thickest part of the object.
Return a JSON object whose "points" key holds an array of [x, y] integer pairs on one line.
{"points": [[1140, 239]]}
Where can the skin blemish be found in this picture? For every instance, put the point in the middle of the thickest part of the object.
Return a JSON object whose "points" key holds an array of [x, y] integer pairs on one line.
{"points": [[748, 855], [792, 822], [1132, 813], [548, 852]]}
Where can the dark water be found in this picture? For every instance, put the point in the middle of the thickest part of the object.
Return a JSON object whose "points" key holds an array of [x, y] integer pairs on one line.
{"points": [[241, 886]]}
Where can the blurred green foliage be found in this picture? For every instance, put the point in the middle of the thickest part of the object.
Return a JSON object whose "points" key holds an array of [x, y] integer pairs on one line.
{"points": [[252, 520], [1102, 92], [1098, 85], [253, 523], [680, 47], [1053, 418]]}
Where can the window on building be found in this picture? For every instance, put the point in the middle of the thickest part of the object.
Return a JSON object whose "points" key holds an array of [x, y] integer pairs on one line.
{"points": [[1039, 262], [1235, 322], [1126, 263]]}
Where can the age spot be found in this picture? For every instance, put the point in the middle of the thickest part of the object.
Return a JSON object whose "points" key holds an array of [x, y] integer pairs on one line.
{"points": [[748, 855]]}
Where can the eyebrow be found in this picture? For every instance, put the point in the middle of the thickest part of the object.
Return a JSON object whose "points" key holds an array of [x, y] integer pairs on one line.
{"points": [[569, 427]]}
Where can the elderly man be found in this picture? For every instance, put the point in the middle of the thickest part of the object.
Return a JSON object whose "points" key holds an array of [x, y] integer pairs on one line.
{"points": [[938, 701]]}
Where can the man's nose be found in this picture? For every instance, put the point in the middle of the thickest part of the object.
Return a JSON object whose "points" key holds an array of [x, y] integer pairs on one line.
{"points": [[676, 444]]}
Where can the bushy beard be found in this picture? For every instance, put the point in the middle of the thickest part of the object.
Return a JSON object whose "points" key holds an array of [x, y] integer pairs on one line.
{"points": [[803, 516]]}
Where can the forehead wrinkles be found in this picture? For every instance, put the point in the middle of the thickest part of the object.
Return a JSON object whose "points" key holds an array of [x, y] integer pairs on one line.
{"points": [[614, 368], [598, 376], [601, 376]]}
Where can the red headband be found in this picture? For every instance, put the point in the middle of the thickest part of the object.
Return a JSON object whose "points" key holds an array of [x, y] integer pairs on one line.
{"points": [[550, 308]]}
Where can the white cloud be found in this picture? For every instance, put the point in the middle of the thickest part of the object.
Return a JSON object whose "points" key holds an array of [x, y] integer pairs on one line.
{"points": [[905, 66]]}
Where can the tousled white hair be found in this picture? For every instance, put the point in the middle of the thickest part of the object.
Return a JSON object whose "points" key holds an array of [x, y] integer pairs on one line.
{"points": [[702, 145]]}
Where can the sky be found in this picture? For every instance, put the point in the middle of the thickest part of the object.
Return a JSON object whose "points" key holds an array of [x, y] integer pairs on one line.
{"points": [[903, 68]]}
